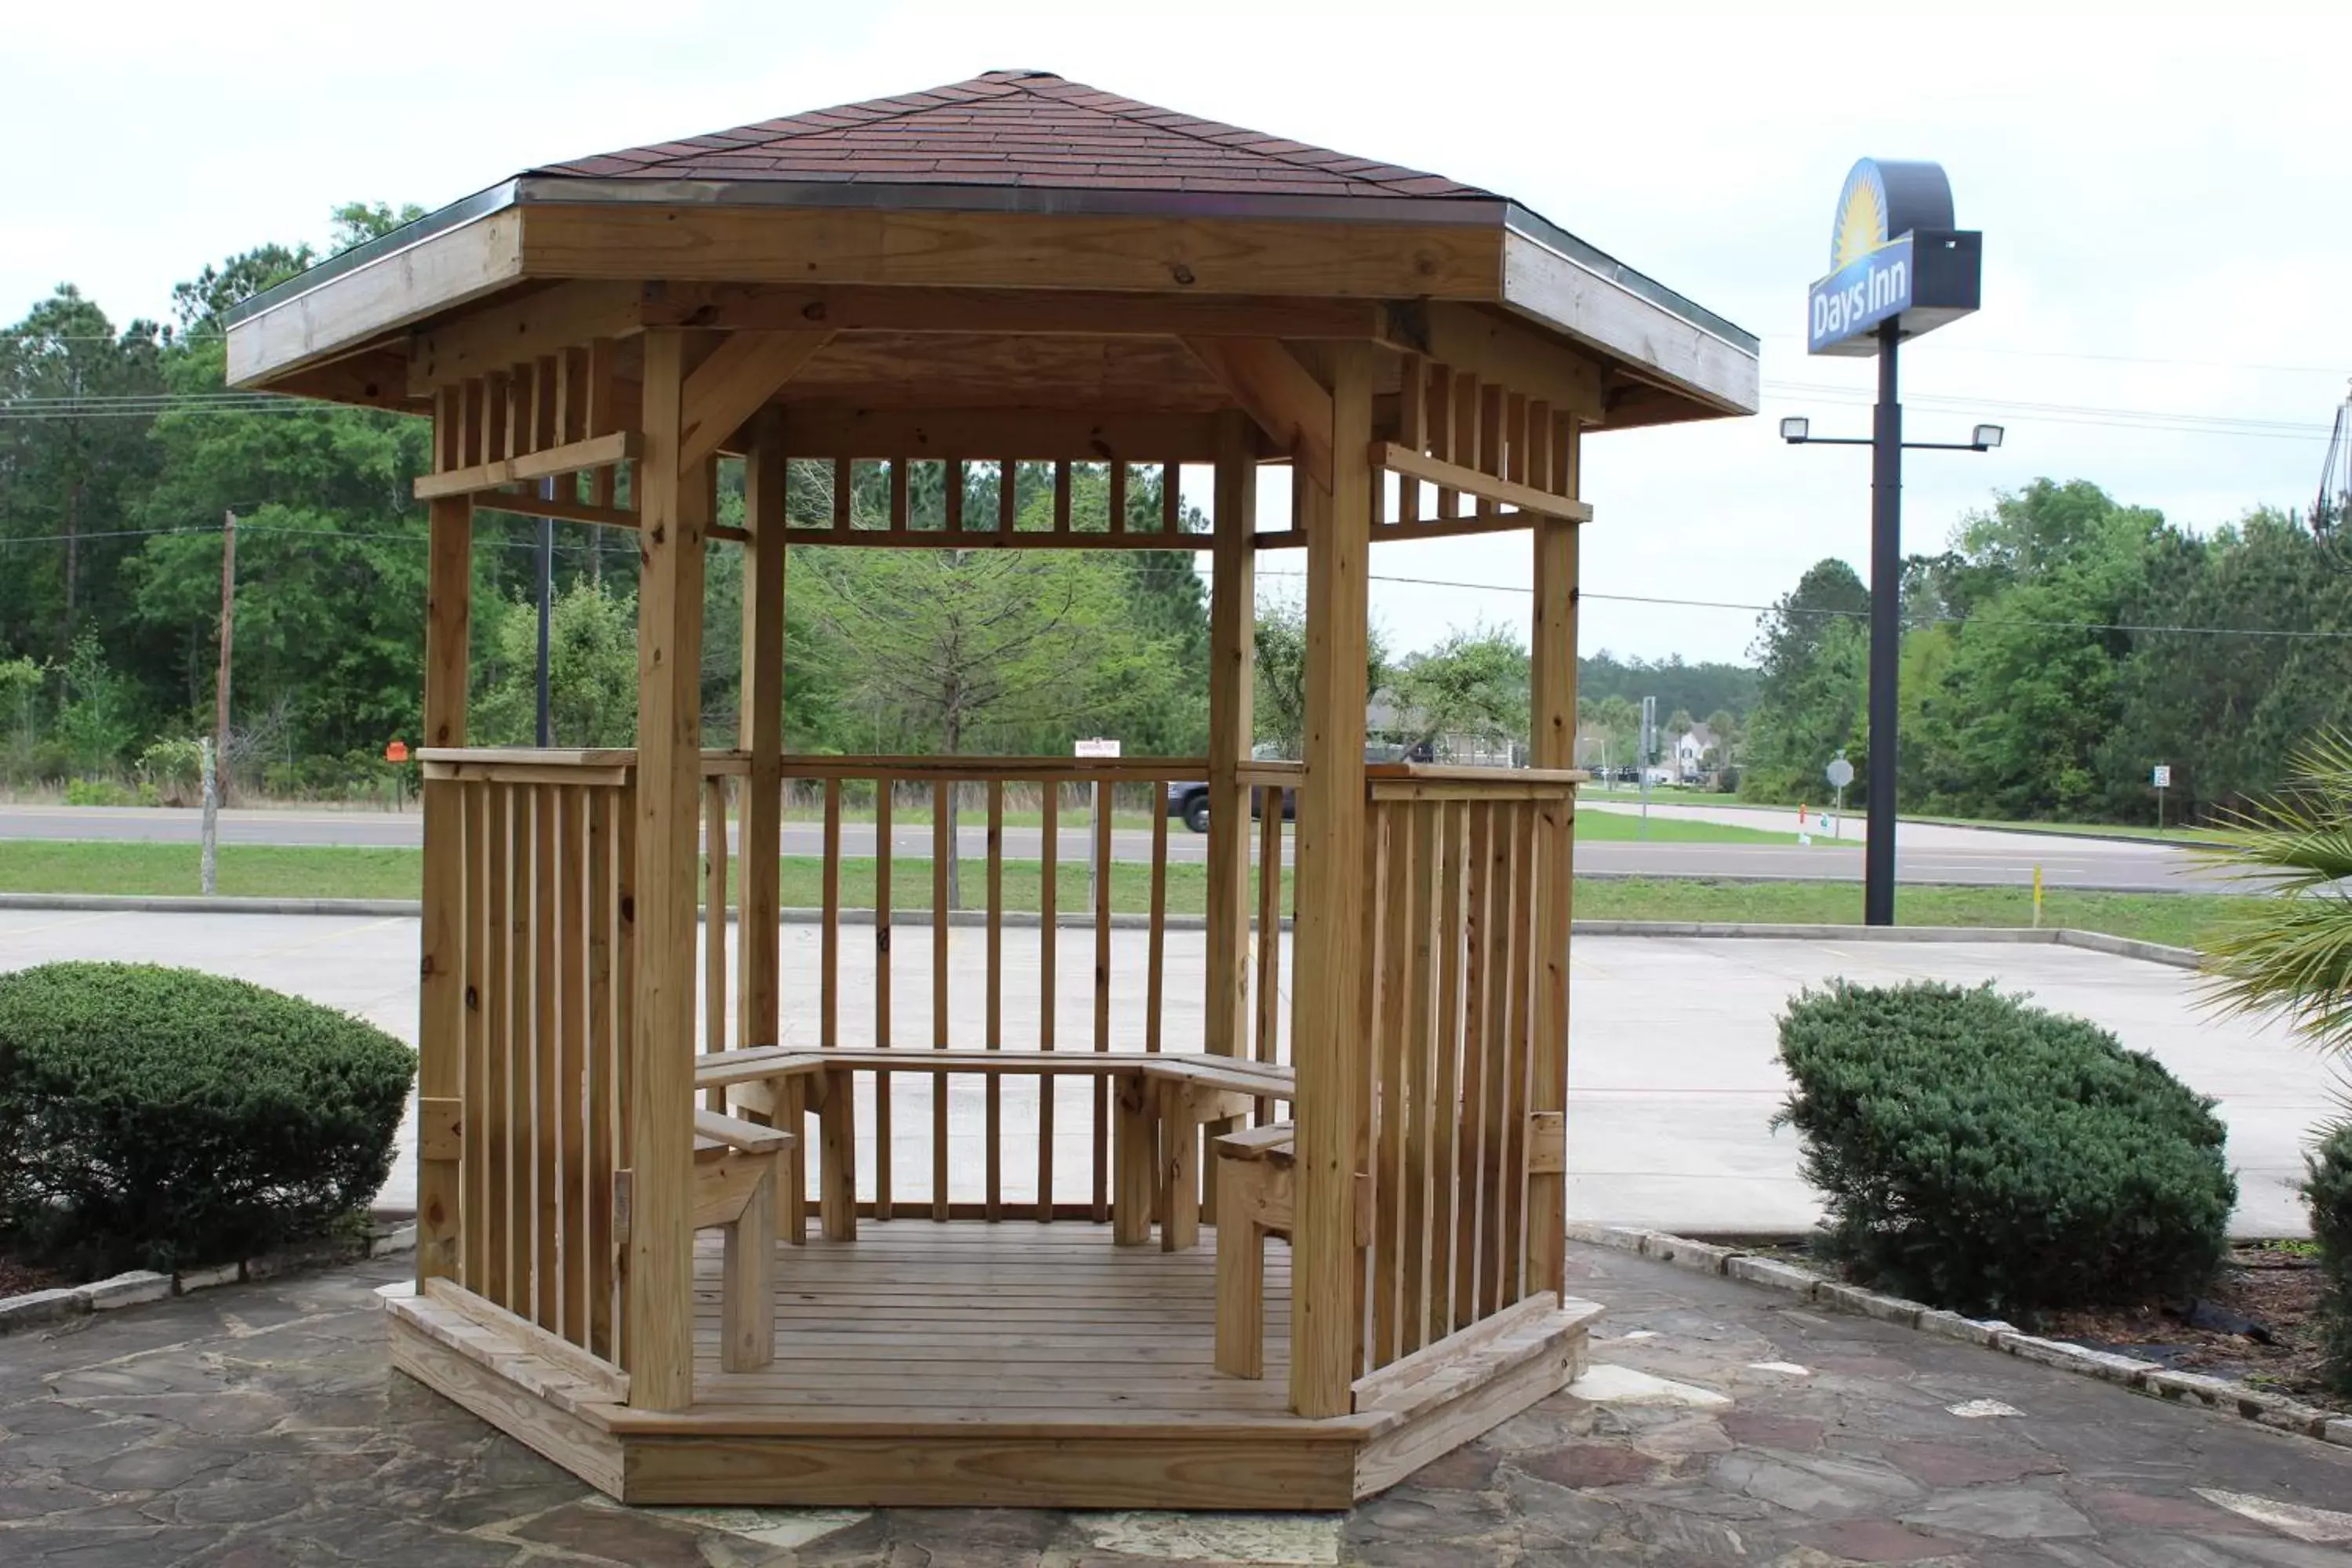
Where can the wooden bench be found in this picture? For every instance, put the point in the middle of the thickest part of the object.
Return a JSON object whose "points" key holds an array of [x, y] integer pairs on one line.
{"points": [[1255, 1177], [1161, 1103], [739, 1179]]}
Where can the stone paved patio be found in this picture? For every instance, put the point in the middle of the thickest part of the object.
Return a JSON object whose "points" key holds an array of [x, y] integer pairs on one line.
{"points": [[258, 1426]]}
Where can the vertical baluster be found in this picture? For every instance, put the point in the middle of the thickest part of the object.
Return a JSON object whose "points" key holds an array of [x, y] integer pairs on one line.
{"points": [[1501, 954], [1100, 1082], [898, 523], [1171, 498], [625, 1043], [1049, 869], [475, 1221], [1413, 431], [943, 850], [1466, 432], [573, 1056], [1269, 799], [841, 474], [1511, 1282], [603, 1044], [1444, 1203], [1156, 939], [1419, 1045], [1477, 977], [1062, 496], [1440, 418], [993, 1088], [1117, 520], [1008, 495], [497, 1026], [546, 1088], [951, 483], [882, 848], [828, 1006], [714, 926], [1392, 1104]]}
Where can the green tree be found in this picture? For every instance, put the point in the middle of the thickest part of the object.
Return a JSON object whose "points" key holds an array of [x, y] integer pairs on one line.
{"points": [[1471, 683], [1279, 642], [1812, 647], [592, 670]]}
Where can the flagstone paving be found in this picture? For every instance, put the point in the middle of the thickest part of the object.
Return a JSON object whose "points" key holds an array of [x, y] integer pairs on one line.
{"points": [[258, 1426]]}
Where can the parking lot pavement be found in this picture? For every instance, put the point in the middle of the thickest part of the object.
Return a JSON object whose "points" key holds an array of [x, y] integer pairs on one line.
{"points": [[1672, 1072]]}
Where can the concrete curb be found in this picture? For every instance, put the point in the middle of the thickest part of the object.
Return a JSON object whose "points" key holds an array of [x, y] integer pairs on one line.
{"points": [[40, 1308], [2145, 1377], [2097, 942]]}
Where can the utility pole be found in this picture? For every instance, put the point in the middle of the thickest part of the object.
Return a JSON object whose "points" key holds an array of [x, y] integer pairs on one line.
{"points": [[227, 631]]}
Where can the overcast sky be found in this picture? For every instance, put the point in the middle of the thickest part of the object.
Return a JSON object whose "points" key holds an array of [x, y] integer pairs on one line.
{"points": [[2166, 214]]}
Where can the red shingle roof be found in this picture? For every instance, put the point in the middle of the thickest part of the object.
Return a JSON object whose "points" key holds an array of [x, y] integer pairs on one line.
{"points": [[1028, 129]]}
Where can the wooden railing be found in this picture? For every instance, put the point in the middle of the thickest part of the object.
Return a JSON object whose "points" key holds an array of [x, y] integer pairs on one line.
{"points": [[1026, 1166], [1450, 1137], [542, 920]]}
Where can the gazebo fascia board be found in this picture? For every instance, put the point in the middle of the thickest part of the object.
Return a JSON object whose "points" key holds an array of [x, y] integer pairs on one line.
{"points": [[356, 329]]}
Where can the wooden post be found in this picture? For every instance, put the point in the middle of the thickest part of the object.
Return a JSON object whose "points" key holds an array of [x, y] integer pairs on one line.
{"points": [[672, 503], [441, 1019], [1327, 1029], [760, 730], [1231, 620], [1552, 741]]}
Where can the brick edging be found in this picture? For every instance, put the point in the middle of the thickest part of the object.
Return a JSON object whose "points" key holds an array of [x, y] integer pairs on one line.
{"points": [[39, 1308], [2143, 1377]]}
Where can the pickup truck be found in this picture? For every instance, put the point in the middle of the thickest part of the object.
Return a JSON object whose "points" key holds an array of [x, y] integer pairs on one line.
{"points": [[1191, 802]]}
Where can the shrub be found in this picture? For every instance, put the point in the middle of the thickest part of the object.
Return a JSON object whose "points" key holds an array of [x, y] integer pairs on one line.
{"points": [[2328, 1190], [1988, 1156], [164, 1117]]}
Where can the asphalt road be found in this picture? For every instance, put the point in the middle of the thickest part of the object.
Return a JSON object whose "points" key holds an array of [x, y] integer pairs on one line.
{"points": [[1926, 853]]}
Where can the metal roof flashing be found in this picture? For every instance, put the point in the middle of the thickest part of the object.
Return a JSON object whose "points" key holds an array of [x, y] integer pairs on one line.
{"points": [[457, 214]]}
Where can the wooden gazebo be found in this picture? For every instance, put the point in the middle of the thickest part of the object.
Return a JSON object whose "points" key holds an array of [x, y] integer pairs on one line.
{"points": [[619, 1169]]}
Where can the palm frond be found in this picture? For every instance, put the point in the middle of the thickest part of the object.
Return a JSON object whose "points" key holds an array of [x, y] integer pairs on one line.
{"points": [[2291, 954]]}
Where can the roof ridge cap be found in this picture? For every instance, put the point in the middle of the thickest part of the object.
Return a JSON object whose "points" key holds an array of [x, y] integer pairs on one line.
{"points": [[1127, 105]]}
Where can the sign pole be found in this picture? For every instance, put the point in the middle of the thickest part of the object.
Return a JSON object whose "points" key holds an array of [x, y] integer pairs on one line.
{"points": [[1886, 632], [208, 860]]}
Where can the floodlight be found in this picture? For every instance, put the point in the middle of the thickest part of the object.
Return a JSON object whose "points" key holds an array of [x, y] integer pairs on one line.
{"points": [[1795, 430], [1985, 437]]}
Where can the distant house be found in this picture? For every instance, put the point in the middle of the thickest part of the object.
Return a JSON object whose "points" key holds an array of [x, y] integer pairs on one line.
{"points": [[1394, 728], [1697, 751]]}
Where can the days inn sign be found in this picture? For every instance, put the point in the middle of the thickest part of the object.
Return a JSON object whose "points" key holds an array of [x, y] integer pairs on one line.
{"points": [[1894, 258]]}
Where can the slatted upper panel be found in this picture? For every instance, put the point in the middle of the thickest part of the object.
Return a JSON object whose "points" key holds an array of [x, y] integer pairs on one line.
{"points": [[1028, 129]]}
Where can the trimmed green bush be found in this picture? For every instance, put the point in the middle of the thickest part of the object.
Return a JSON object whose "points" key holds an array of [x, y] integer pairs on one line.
{"points": [[2328, 1190], [1987, 1156], [157, 1117]]}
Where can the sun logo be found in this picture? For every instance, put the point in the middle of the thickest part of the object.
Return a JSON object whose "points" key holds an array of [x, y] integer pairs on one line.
{"points": [[1862, 217]]}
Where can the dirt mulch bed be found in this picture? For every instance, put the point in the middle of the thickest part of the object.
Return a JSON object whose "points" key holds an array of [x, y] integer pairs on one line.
{"points": [[16, 1279], [2277, 1290]]}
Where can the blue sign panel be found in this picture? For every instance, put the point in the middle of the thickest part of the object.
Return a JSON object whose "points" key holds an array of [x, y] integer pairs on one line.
{"points": [[1893, 256], [1860, 295]]}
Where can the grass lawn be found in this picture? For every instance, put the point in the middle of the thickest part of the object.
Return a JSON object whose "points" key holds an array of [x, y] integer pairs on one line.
{"points": [[1614, 826], [2174, 835], [2179, 919]]}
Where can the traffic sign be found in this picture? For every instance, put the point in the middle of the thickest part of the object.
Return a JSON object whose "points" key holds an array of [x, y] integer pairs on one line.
{"points": [[1840, 771], [2163, 775], [397, 751]]}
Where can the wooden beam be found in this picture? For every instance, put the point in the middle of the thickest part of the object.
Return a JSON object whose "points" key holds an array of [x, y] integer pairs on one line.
{"points": [[776, 307], [1485, 487], [595, 452], [1270, 384], [1712, 375], [1496, 349], [1327, 1029], [832, 429], [498, 333], [394, 290], [672, 501], [706, 243], [441, 1018], [1232, 601], [740, 375], [1551, 671], [375, 378]]}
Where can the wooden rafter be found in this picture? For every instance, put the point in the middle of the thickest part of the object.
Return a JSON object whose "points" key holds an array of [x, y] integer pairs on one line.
{"points": [[741, 374], [498, 334], [1277, 391]]}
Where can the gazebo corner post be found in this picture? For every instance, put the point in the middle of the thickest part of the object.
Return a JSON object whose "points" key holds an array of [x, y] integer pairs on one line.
{"points": [[1327, 996], [673, 501], [1553, 680], [1233, 615], [441, 1022]]}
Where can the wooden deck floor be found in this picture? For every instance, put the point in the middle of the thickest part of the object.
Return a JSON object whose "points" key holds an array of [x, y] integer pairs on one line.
{"points": [[1050, 1319], [975, 1365]]}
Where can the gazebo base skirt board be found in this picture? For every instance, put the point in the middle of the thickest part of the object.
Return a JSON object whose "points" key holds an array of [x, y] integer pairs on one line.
{"points": [[1012, 1364]]}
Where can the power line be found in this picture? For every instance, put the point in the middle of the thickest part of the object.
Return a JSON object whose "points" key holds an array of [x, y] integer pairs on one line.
{"points": [[2111, 359]]}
